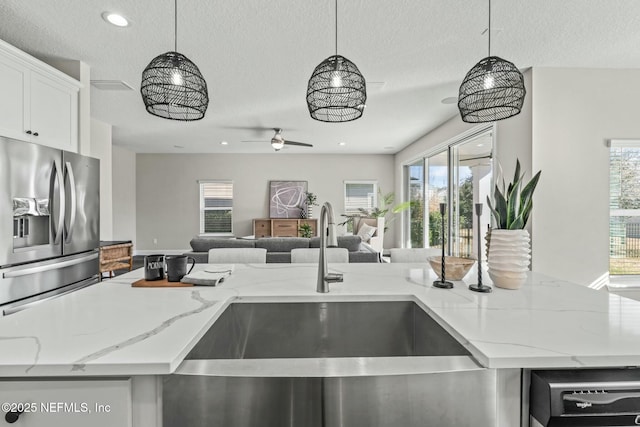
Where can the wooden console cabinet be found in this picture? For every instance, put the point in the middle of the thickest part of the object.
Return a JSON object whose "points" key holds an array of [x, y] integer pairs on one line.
{"points": [[282, 227]]}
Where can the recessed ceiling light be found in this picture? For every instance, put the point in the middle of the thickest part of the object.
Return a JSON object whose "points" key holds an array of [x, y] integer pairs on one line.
{"points": [[224, 143], [342, 144], [480, 145], [115, 19], [450, 100]]}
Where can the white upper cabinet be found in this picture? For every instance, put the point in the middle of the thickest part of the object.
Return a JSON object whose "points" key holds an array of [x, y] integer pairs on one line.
{"points": [[13, 82], [54, 113], [39, 103]]}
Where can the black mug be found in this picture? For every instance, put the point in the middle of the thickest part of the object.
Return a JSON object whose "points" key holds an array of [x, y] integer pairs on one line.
{"points": [[177, 267], [154, 267]]}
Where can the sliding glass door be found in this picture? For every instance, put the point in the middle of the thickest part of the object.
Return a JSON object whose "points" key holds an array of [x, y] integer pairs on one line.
{"points": [[414, 218], [459, 175], [437, 190], [471, 176]]}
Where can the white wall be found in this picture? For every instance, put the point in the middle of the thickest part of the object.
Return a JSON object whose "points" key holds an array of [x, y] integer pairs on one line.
{"points": [[514, 136], [575, 112], [84, 109], [124, 194], [101, 149], [167, 188]]}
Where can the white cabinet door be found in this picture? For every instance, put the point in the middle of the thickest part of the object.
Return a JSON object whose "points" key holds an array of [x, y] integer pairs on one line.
{"points": [[54, 113], [69, 403], [13, 111], [37, 102]]}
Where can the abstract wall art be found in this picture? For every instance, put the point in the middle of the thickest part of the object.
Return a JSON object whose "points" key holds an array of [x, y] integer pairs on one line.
{"points": [[286, 198]]}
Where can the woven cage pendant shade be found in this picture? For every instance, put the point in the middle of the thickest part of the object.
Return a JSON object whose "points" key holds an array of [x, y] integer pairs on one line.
{"points": [[336, 91], [173, 88], [492, 90]]}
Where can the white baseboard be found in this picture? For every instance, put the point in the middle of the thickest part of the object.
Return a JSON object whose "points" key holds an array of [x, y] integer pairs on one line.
{"points": [[161, 252]]}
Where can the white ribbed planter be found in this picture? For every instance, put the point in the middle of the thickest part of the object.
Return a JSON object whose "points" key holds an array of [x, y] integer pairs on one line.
{"points": [[508, 258]]}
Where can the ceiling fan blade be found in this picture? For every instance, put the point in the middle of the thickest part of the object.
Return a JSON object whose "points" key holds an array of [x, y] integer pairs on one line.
{"points": [[255, 140], [301, 144]]}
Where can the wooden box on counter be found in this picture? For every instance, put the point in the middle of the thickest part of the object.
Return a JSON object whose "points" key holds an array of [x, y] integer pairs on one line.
{"points": [[282, 227]]}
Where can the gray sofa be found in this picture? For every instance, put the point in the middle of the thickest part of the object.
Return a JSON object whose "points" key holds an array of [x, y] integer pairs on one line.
{"points": [[279, 248]]}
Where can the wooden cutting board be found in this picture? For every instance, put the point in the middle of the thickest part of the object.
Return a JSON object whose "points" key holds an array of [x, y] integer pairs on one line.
{"points": [[164, 283]]}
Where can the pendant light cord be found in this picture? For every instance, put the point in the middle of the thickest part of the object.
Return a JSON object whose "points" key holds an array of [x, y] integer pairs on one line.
{"points": [[175, 25], [489, 30], [336, 27]]}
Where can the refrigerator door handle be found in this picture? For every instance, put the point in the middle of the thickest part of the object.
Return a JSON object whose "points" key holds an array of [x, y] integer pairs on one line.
{"points": [[72, 208], [57, 176], [48, 267]]}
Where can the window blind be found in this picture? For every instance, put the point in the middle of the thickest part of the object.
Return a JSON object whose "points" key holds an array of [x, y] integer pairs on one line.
{"points": [[359, 195], [216, 207]]}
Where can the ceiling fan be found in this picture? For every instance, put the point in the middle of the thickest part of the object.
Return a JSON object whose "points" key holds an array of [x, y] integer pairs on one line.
{"points": [[278, 142]]}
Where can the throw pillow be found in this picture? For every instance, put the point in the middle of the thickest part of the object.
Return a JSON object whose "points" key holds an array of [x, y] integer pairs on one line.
{"points": [[366, 232]]}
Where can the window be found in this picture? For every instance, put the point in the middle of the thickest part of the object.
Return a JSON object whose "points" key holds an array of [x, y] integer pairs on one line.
{"points": [[624, 208], [216, 207], [360, 195]]}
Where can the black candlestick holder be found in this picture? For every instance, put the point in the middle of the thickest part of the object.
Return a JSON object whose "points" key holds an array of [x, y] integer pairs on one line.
{"points": [[479, 287], [442, 283]]}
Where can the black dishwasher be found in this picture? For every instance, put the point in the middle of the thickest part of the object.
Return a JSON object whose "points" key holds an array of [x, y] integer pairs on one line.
{"points": [[585, 397]]}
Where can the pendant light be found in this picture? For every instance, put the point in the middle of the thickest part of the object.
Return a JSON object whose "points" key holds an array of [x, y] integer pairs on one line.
{"points": [[492, 90], [336, 91], [172, 86]]}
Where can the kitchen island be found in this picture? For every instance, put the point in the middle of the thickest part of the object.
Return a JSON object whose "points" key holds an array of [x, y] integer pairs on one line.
{"points": [[114, 331]]}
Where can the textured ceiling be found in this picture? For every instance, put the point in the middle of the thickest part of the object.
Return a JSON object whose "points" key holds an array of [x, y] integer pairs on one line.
{"points": [[257, 56]]}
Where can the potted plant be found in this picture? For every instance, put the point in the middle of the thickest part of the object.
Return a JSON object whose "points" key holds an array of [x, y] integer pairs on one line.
{"points": [[508, 243], [385, 209], [310, 202], [305, 230], [388, 211]]}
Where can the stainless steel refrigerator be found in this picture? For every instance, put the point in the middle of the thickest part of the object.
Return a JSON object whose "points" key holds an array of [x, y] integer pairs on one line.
{"points": [[49, 223]]}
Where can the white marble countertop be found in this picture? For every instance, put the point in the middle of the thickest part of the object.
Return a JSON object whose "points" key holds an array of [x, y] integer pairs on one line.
{"points": [[114, 329]]}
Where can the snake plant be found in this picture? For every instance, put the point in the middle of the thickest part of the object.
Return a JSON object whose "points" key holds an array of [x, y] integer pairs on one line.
{"points": [[512, 207]]}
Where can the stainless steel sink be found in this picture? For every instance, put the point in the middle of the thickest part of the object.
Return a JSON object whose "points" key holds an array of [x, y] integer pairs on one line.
{"points": [[325, 329], [317, 364]]}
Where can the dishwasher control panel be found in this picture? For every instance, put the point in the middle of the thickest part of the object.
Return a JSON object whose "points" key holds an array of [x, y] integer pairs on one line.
{"points": [[585, 397]]}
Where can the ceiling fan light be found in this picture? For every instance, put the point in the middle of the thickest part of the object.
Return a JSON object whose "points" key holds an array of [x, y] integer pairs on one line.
{"points": [[277, 145], [173, 88], [336, 91], [277, 142], [492, 90]]}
